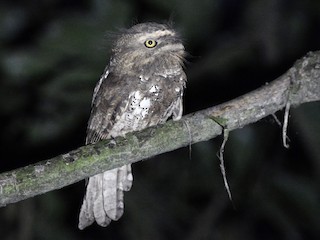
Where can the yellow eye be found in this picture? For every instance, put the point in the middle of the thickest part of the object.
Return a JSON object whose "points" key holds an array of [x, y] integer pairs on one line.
{"points": [[150, 43]]}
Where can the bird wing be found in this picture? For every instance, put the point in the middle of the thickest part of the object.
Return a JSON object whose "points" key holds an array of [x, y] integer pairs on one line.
{"points": [[108, 103]]}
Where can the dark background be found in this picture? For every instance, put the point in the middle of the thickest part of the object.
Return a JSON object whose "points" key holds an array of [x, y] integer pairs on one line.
{"points": [[53, 52]]}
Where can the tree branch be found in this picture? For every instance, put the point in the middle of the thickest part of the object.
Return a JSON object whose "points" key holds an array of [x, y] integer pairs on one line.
{"points": [[298, 85]]}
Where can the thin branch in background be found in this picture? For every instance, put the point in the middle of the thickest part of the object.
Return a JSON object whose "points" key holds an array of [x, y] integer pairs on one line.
{"points": [[276, 119], [285, 125], [222, 166]]}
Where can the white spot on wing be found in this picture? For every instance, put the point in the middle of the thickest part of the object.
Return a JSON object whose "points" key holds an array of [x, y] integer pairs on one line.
{"points": [[137, 95], [154, 89], [143, 78], [130, 177], [145, 103]]}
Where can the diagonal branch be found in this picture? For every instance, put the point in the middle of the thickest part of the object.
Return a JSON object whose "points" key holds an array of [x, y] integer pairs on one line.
{"points": [[298, 85]]}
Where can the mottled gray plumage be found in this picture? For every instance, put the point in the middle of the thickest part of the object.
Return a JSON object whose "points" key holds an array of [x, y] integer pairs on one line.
{"points": [[142, 86]]}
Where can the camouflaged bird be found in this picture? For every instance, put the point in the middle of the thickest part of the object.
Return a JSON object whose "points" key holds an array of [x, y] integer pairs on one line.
{"points": [[142, 86]]}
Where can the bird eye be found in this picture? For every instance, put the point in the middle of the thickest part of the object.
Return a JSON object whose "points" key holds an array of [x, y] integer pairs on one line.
{"points": [[150, 43]]}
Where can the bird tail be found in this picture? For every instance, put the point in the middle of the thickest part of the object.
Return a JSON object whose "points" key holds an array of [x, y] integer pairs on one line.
{"points": [[103, 201]]}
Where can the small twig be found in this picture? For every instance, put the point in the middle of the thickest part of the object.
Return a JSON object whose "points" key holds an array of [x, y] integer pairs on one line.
{"points": [[276, 119], [279, 124], [221, 158], [285, 125]]}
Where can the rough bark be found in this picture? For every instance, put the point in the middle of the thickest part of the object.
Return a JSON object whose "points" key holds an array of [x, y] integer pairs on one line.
{"points": [[298, 85]]}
